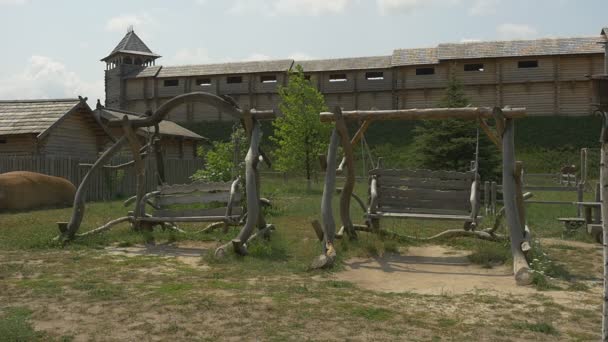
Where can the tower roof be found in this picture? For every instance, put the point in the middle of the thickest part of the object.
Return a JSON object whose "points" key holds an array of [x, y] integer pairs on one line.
{"points": [[132, 44]]}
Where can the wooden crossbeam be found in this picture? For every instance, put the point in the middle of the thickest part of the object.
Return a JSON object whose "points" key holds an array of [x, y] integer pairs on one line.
{"points": [[469, 113]]}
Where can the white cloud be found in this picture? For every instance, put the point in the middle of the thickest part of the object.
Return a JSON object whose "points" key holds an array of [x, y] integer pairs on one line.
{"points": [[256, 56], [13, 2], [407, 6], [300, 56], [310, 7], [44, 78], [289, 7], [484, 7], [516, 31], [470, 40], [190, 56], [122, 22]]}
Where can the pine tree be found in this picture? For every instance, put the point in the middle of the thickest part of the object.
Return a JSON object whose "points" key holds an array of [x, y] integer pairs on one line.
{"points": [[450, 144]]}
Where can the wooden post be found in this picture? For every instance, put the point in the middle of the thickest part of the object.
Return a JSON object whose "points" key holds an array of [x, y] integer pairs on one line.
{"points": [[486, 196], [494, 198], [597, 214], [349, 184], [251, 183], [521, 268], [604, 196], [329, 225]]}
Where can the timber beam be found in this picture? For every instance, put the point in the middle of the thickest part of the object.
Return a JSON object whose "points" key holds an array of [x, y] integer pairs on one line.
{"points": [[468, 113]]}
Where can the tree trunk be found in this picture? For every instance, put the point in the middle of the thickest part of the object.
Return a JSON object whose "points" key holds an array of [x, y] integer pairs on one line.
{"points": [[349, 184]]}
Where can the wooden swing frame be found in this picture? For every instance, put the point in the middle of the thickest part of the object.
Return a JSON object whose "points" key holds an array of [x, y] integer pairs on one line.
{"points": [[250, 119], [502, 135]]}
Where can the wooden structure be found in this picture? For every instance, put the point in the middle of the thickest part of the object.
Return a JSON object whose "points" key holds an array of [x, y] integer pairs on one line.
{"points": [[138, 217], [52, 128], [423, 194], [547, 76], [226, 198], [502, 135]]}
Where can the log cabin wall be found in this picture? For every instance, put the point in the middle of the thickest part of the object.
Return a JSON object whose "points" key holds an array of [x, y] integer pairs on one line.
{"points": [[18, 144], [76, 136], [547, 76]]}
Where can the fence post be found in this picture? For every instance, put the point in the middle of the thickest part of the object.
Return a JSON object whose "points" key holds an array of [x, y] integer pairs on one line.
{"points": [[493, 190], [486, 196]]}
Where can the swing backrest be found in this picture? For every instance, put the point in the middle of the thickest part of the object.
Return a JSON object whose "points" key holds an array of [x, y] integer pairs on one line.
{"points": [[197, 199], [424, 191]]}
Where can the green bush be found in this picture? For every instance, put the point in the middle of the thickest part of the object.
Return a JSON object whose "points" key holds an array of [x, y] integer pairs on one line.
{"points": [[225, 160]]}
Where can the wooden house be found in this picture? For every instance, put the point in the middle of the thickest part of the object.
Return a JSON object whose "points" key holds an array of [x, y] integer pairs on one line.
{"points": [[548, 76], [176, 141], [63, 127]]}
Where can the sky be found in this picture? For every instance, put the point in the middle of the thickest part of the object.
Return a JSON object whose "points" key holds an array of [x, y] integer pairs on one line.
{"points": [[52, 48]]}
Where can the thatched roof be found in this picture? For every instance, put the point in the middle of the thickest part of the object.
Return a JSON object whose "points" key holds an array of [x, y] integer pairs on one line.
{"points": [[34, 116], [166, 128]]}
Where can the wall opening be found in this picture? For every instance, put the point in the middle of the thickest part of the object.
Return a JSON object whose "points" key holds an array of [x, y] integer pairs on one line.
{"points": [[425, 71], [527, 64], [234, 79], [170, 83], [374, 75], [338, 78], [203, 82], [268, 79], [474, 67]]}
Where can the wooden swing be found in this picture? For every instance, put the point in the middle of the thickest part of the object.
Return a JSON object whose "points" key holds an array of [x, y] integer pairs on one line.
{"points": [[396, 191]]}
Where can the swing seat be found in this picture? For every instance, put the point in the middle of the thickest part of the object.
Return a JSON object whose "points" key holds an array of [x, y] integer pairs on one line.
{"points": [[424, 195], [174, 203]]}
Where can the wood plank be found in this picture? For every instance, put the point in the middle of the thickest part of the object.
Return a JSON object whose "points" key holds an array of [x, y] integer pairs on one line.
{"points": [[236, 212], [184, 219], [424, 194], [471, 113], [424, 216], [551, 188], [194, 187], [222, 197], [424, 183], [387, 209], [404, 173], [428, 204]]}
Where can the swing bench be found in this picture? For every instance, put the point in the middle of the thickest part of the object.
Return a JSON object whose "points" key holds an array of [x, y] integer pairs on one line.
{"points": [[423, 194], [173, 203]]}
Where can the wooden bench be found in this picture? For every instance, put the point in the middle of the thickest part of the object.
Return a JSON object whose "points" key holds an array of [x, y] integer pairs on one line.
{"points": [[173, 203], [423, 194], [572, 223]]}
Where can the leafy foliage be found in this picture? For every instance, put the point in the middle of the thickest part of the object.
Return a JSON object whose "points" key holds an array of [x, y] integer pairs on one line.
{"points": [[450, 144], [221, 163], [298, 134]]}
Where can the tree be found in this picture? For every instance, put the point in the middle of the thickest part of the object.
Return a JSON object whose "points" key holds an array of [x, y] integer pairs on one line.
{"points": [[450, 144], [299, 135], [224, 161]]}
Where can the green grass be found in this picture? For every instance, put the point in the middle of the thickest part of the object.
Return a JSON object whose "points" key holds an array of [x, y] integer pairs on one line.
{"points": [[15, 325], [542, 327]]}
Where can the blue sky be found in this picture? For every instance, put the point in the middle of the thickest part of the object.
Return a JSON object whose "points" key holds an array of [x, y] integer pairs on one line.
{"points": [[51, 48]]}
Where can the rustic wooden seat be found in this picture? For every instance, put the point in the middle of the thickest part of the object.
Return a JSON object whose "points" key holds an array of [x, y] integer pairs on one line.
{"points": [[173, 203], [423, 194]]}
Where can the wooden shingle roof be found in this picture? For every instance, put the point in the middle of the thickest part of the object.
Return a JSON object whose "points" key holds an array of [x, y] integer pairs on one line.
{"points": [[403, 57], [343, 64], [226, 68], [132, 44], [166, 128], [519, 48], [33, 116]]}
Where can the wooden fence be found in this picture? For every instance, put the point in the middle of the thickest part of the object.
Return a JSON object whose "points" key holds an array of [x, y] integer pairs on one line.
{"points": [[107, 183]]}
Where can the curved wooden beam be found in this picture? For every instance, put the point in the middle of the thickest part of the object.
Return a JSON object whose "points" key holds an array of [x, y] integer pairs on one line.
{"points": [[78, 207], [349, 184]]}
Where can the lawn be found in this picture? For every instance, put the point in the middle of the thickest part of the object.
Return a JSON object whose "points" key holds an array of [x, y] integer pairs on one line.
{"points": [[85, 291]]}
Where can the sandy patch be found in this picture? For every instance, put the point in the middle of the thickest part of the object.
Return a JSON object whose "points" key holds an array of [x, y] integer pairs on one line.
{"points": [[575, 244], [189, 253], [433, 270]]}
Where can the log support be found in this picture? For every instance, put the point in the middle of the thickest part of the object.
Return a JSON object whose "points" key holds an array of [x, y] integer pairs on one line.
{"points": [[349, 184], [603, 197], [513, 201]]}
